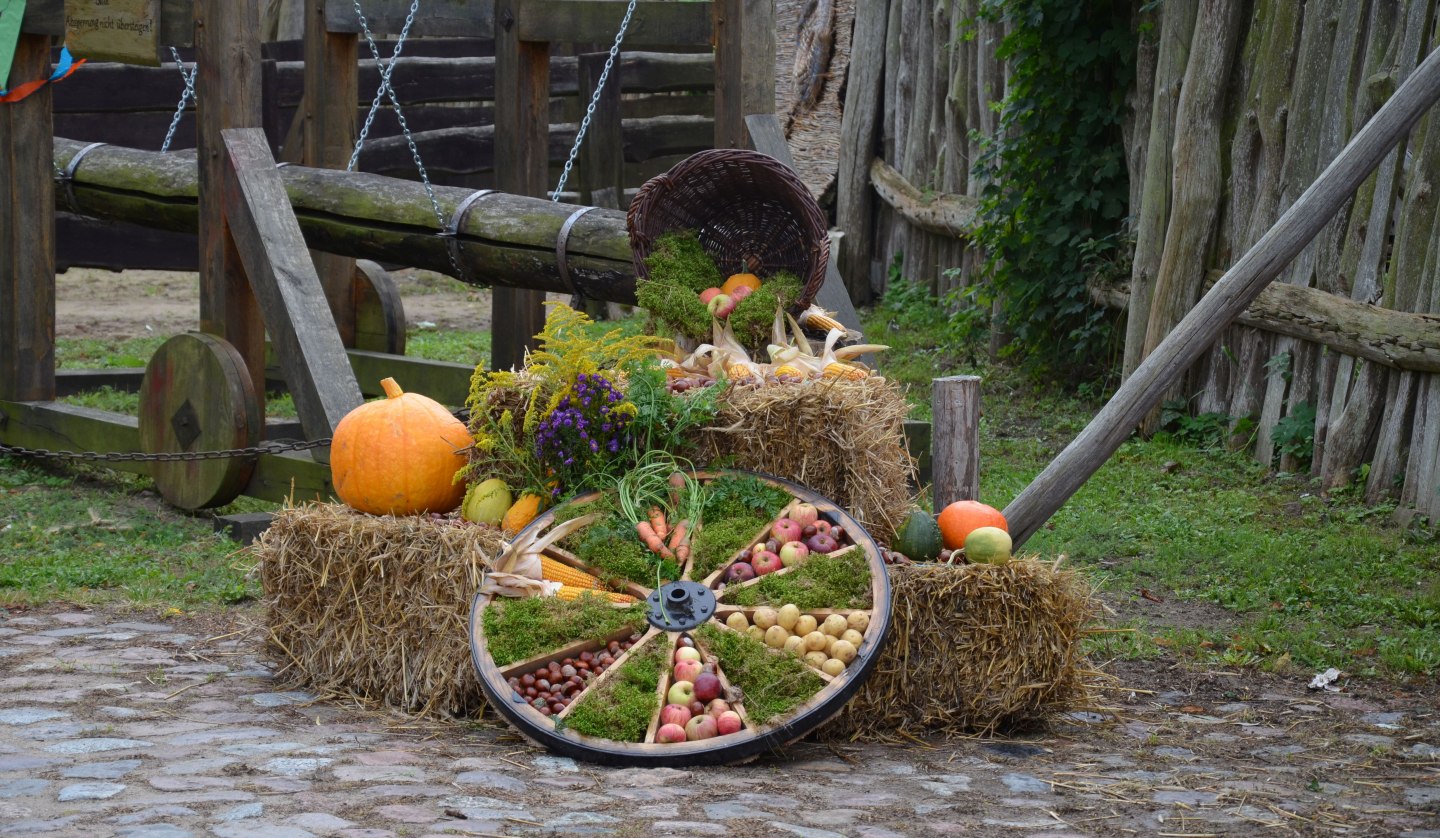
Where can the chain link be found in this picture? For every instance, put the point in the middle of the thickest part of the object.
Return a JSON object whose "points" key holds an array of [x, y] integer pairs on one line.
{"points": [[594, 100], [185, 96], [163, 456]]}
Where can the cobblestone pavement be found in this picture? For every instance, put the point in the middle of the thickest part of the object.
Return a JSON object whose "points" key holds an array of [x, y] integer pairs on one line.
{"points": [[111, 725]]}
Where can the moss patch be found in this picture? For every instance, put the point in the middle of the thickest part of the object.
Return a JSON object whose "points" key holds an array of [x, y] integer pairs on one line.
{"points": [[621, 708], [610, 545], [822, 582], [774, 684], [739, 496], [717, 542], [516, 629]]}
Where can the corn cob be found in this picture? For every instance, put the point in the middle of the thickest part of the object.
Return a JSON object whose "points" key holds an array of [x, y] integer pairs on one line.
{"points": [[813, 318], [845, 371], [569, 592], [738, 372], [553, 571], [790, 370]]}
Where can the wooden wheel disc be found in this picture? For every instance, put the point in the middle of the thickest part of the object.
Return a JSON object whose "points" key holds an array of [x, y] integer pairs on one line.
{"points": [[750, 741], [197, 396], [379, 310]]}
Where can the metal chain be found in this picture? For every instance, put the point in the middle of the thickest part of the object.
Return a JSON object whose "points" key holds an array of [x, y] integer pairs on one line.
{"points": [[594, 100], [163, 456], [185, 96]]}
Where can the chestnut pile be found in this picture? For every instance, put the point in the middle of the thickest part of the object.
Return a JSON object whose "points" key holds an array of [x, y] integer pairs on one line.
{"points": [[551, 688], [694, 381], [792, 539]]}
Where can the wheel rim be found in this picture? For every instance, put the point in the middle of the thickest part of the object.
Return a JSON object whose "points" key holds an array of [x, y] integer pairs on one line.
{"points": [[753, 738]]}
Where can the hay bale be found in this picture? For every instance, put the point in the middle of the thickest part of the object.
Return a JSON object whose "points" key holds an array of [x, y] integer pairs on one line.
{"points": [[843, 439], [375, 608], [977, 649]]}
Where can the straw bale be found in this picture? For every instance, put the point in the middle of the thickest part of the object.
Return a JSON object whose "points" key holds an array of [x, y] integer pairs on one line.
{"points": [[977, 649], [843, 439], [375, 608]]}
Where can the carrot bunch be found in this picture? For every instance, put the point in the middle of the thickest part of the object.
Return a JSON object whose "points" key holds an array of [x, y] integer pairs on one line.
{"points": [[646, 488]]}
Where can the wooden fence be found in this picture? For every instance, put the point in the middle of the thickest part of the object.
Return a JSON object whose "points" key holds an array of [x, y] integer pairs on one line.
{"points": [[1238, 107]]}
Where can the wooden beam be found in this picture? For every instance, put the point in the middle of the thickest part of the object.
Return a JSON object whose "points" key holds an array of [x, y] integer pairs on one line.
{"points": [[522, 166], [331, 85], [439, 18], [292, 302], [939, 213], [655, 23], [27, 232], [445, 382], [227, 92], [1223, 303], [956, 407], [744, 37], [56, 426]]}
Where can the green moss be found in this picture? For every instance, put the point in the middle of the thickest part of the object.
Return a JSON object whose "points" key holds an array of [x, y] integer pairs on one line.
{"points": [[676, 307], [516, 629], [718, 541], [621, 708], [753, 316], [678, 258], [822, 582], [610, 545], [774, 684], [740, 496]]}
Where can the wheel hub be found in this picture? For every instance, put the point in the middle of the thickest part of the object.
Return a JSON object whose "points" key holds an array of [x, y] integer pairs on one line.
{"points": [[680, 606]]}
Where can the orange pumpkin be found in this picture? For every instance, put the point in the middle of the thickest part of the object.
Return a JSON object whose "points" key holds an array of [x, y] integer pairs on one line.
{"points": [[398, 455], [749, 280], [521, 513], [962, 517]]}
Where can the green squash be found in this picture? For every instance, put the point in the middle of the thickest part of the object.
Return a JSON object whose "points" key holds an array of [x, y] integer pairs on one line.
{"points": [[919, 537]]}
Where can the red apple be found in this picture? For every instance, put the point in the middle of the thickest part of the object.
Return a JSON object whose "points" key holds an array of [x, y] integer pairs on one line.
{"points": [[804, 514], [721, 305], [772, 545], [823, 527], [741, 292], [675, 714], [728, 722], [740, 572], [821, 543], [717, 707], [786, 530], [709, 294], [696, 709], [670, 733], [767, 562], [681, 692], [707, 686], [687, 670], [793, 552], [687, 653], [701, 727]]}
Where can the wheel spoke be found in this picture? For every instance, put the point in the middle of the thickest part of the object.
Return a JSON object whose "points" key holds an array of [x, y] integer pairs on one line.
{"points": [[609, 671], [662, 686]]}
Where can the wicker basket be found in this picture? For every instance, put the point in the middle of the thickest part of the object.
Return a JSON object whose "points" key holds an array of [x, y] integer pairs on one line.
{"points": [[752, 213]]}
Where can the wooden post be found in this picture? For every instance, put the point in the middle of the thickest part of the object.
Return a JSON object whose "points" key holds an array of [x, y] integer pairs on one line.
{"points": [[956, 459], [602, 156], [332, 87], [227, 94], [1224, 302], [522, 167], [858, 134], [744, 32], [27, 232]]}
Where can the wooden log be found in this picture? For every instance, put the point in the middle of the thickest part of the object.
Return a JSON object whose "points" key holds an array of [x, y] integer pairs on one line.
{"points": [[1217, 309], [507, 240], [956, 442], [439, 18], [27, 230], [858, 137], [939, 213]]}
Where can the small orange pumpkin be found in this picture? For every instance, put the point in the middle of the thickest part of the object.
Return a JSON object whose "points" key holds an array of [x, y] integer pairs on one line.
{"points": [[963, 517], [398, 455], [750, 281], [521, 513]]}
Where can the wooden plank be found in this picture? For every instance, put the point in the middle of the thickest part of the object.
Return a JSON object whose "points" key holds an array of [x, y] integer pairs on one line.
{"points": [[858, 134], [744, 37], [1218, 308], [602, 156], [228, 96], [124, 379], [56, 426], [331, 85], [447, 383], [438, 18], [91, 243], [285, 282], [956, 407], [522, 76], [27, 229], [292, 476], [655, 22], [918, 444]]}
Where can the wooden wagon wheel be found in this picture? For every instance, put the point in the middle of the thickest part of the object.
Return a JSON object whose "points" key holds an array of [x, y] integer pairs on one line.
{"points": [[682, 612]]}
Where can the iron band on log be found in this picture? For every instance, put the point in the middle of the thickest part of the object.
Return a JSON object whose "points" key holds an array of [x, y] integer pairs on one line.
{"points": [[507, 240]]}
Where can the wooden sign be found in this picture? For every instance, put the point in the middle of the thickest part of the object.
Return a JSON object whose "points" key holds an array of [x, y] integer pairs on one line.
{"points": [[127, 31], [11, 11]]}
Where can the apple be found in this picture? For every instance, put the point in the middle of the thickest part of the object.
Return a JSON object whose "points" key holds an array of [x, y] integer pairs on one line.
{"points": [[688, 670], [824, 527], [709, 294], [740, 572], [786, 530], [687, 653], [737, 621], [701, 727], [728, 722], [821, 543], [696, 709], [720, 305], [707, 687], [793, 553], [741, 292], [675, 714], [772, 545], [767, 562], [681, 692], [717, 707], [670, 733], [805, 625], [804, 514]]}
